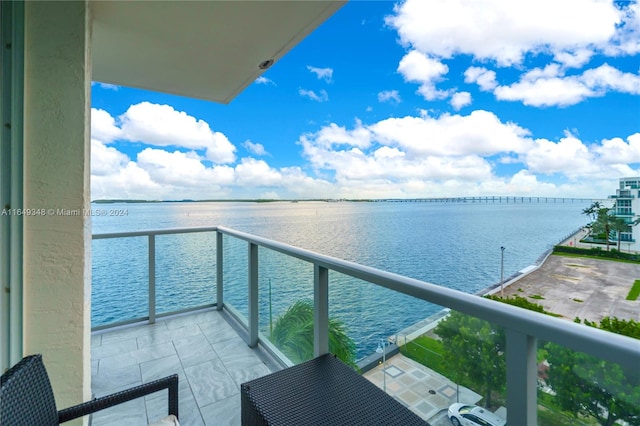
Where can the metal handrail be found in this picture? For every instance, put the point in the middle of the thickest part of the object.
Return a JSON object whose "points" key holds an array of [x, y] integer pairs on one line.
{"points": [[608, 346], [614, 347]]}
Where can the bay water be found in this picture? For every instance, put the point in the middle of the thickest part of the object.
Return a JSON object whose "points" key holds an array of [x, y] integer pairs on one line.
{"points": [[456, 245]]}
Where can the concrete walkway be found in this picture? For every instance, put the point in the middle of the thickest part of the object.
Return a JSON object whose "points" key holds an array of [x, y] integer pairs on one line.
{"points": [[424, 391]]}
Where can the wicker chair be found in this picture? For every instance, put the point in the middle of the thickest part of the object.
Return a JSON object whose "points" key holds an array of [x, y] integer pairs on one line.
{"points": [[27, 397]]}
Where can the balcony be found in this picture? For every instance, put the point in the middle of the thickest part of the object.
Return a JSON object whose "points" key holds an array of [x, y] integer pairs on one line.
{"points": [[209, 357], [223, 337]]}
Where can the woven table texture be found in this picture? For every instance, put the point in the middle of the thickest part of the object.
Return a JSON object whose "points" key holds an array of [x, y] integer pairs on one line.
{"points": [[323, 391]]}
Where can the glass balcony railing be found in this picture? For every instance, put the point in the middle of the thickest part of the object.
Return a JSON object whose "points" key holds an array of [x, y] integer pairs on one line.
{"points": [[299, 304]]}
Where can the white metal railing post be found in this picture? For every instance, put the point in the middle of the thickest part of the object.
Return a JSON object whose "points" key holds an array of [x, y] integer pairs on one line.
{"points": [[152, 278], [320, 310], [522, 378], [253, 295], [219, 271]]}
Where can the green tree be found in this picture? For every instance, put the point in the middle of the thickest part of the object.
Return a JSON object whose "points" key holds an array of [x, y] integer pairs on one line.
{"points": [[479, 346], [293, 335], [521, 302], [475, 350], [592, 210], [603, 223], [586, 385], [619, 225]]}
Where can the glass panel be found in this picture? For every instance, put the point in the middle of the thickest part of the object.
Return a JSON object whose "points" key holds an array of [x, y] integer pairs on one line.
{"points": [[434, 358], [371, 312], [236, 274], [466, 358], [578, 389], [185, 271], [119, 280], [286, 304]]}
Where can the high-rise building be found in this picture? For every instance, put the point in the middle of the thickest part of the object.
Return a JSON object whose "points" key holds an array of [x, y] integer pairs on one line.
{"points": [[627, 206]]}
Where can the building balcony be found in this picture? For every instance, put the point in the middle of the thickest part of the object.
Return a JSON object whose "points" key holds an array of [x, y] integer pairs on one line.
{"points": [[623, 196], [221, 336]]}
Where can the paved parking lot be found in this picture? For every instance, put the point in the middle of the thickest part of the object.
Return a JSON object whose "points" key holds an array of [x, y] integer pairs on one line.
{"points": [[581, 287]]}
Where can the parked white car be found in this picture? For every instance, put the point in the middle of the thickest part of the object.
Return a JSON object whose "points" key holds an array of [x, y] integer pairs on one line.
{"points": [[472, 415]]}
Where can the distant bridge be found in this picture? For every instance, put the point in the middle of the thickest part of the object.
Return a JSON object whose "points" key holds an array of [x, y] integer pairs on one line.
{"points": [[496, 199]]}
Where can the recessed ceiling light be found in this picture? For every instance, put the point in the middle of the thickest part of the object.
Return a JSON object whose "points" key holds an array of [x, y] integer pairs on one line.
{"points": [[265, 64]]}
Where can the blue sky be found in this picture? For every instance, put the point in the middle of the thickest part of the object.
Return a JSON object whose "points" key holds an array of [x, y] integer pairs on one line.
{"points": [[418, 98]]}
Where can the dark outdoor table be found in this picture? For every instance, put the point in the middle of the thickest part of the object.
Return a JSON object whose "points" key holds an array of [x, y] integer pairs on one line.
{"points": [[323, 391]]}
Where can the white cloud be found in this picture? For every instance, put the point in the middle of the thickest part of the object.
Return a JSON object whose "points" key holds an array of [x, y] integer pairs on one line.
{"points": [[618, 152], [460, 99], [460, 154], [414, 150], [128, 182], [413, 156], [574, 59], [556, 91], [106, 160], [264, 80], [504, 30], [161, 125], [506, 33], [486, 79], [574, 159], [569, 156], [255, 148], [321, 96], [333, 134], [107, 86], [550, 87], [252, 172], [182, 170], [325, 74], [627, 39], [389, 96], [606, 77], [479, 133], [103, 126], [420, 68]]}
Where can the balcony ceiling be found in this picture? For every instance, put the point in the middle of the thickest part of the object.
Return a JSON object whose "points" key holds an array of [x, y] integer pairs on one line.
{"points": [[200, 49]]}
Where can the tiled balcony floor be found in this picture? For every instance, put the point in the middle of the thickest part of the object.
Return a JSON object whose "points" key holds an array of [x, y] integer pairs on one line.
{"points": [[212, 360], [209, 357]]}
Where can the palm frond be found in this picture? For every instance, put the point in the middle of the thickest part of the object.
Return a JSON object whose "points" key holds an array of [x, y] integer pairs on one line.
{"points": [[293, 335]]}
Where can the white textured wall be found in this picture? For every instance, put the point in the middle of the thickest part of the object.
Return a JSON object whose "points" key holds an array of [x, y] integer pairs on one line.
{"points": [[57, 256]]}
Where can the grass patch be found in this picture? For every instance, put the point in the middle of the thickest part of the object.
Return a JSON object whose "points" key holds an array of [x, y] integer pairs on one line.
{"points": [[578, 300], [634, 293], [537, 297], [427, 351], [520, 290]]}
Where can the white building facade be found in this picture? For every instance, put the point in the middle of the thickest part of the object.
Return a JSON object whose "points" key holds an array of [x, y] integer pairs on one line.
{"points": [[627, 206]]}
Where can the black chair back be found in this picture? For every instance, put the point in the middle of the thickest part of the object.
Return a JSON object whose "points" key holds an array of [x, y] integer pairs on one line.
{"points": [[26, 396]]}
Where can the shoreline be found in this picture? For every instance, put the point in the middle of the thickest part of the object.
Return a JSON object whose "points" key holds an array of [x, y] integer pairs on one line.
{"points": [[424, 326]]}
